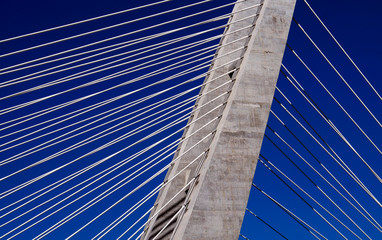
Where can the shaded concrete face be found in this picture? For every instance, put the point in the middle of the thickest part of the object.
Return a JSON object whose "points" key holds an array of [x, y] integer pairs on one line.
{"points": [[216, 203]]}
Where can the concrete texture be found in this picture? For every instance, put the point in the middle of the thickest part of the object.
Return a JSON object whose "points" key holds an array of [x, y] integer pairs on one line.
{"points": [[216, 203]]}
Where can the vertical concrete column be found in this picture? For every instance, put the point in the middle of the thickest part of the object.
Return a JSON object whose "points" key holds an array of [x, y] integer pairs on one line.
{"points": [[216, 203]]}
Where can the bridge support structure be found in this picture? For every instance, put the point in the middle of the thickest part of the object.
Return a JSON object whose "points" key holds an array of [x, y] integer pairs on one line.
{"points": [[227, 129]]}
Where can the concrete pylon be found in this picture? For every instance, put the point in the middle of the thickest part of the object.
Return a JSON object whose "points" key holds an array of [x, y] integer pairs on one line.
{"points": [[222, 145]]}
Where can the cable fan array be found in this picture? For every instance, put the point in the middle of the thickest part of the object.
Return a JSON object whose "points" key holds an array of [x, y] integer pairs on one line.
{"points": [[91, 122], [319, 168]]}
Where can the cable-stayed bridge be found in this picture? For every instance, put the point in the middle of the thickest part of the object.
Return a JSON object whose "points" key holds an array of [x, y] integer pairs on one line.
{"points": [[94, 113]]}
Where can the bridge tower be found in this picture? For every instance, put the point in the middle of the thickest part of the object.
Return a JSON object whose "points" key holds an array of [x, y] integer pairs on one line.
{"points": [[208, 199]]}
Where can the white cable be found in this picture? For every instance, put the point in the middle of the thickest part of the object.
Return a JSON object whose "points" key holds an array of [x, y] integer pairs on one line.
{"points": [[31, 76], [147, 148], [29, 116], [158, 142], [289, 212], [343, 50], [131, 192], [11, 82], [310, 134], [264, 223], [129, 105], [77, 75], [24, 136], [122, 72], [216, 19], [124, 136], [97, 134], [170, 221], [179, 156], [169, 180], [355, 123], [157, 212], [343, 165], [39, 147], [138, 40], [178, 95], [331, 123], [348, 171], [336, 189], [168, 78], [114, 177], [110, 47], [106, 28], [241, 235], [206, 104], [371, 141], [98, 118], [21, 186], [130, 210], [338, 73], [323, 166], [155, 144], [65, 119], [38, 130], [52, 55], [82, 21], [51, 109], [177, 121], [108, 171], [308, 196], [65, 105], [195, 78], [124, 44], [205, 114], [132, 159], [185, 102]]}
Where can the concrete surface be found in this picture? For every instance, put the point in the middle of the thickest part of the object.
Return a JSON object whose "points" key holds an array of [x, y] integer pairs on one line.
{"points": [[216, 203]]}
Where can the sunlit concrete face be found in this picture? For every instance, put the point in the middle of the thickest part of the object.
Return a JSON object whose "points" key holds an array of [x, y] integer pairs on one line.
{"points": [[216, 202]]}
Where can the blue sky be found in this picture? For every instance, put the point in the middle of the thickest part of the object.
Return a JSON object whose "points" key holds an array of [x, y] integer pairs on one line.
{"points": [[356, 26]]}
